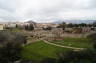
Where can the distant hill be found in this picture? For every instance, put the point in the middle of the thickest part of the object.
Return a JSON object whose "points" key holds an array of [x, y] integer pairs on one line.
{"points": [[30, 21], [74, 21]]}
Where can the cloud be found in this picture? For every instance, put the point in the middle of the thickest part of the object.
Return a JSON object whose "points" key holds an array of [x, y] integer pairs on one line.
{"points": [[47, 10]]}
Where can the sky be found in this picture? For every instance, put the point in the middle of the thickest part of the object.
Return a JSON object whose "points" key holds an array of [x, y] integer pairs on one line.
{"points": [[47, 10]]}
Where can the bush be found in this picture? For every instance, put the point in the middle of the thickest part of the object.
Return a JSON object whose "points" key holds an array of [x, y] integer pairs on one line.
{"points": [[48, 60], [93, 39], [78, 57], [10, 52], [6, 36]]}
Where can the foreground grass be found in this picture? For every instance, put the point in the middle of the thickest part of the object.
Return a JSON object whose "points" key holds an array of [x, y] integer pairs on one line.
{"points": [[75, 42], [40, 50]]}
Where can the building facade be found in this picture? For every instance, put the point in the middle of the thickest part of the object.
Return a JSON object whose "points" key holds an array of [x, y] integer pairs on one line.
{"points": [[1, 27]]}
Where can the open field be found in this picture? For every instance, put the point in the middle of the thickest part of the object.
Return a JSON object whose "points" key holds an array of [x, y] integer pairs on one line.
{"points": [[74, 42], [40, 50]]}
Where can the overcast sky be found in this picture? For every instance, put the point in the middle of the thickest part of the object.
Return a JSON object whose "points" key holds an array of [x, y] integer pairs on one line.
{"points": [[47, 10]]}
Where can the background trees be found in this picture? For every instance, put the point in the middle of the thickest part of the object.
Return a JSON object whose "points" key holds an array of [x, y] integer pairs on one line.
{"points": [[82, 24], [29, 27], [47, 28], [94, 24], [71, 25], [62, 25]]}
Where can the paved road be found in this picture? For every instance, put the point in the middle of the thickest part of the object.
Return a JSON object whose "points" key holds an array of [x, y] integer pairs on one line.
{"points": [[63, 46]]}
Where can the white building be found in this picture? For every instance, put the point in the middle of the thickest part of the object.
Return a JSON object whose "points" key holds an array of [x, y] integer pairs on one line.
{"points": [[1, 27]]}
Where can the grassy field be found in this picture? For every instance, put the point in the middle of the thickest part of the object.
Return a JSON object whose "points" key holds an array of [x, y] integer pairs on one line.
{"points": [[40, 50], [75, 42]]}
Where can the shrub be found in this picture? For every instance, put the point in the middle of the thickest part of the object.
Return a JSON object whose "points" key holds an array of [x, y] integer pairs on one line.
{"points": [[93, 39], [6, 36]]}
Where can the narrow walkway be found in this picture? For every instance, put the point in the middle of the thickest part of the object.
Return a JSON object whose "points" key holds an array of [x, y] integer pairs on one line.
{"points": [[63, 46]]}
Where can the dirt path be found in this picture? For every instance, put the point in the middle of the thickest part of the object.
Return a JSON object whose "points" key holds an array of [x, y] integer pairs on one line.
{"points": [[63, 46]]}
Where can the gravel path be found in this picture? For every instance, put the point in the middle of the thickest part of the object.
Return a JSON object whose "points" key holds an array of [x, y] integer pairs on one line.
{"points": [[75, 48]]}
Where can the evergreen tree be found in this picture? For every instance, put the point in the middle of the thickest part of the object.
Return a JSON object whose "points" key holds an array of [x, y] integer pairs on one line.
{"points": [[31, 27]]}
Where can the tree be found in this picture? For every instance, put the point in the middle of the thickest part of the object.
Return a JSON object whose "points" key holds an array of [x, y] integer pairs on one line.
{"points": [[47, 28], [31, 27], [10, 46], [20, 38], [94, 24], [16, 25], [62, 25], [26, 27], [70, 25], [83, 25], [10, 52], [76, 25]]}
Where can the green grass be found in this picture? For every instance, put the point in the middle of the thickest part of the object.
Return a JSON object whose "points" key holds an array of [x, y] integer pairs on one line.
{"points": [[40, 50], [75, 42]]}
